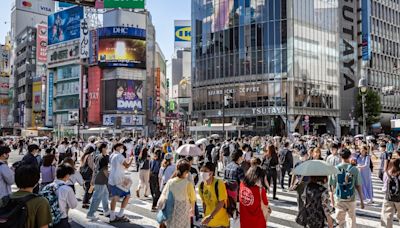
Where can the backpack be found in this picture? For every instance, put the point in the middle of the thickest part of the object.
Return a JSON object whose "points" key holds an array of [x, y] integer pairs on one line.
{"points": [[49, 192], [13, 210], [345, 186], [215, 154], [68, 152], [86, 171], [393, 189], [226, 150], [230, 205], [312, 214], [282, 157]]}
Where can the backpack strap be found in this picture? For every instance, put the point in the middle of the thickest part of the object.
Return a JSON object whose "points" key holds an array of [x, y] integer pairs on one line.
{"points": [[216, 189]]}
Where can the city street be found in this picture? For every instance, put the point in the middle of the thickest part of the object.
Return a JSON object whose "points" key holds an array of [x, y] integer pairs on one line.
{"points": [[283, 214]]}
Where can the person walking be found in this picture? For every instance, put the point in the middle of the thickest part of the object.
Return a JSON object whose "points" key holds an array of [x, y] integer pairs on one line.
{"points": [[317, 206], [391, 187], [86, 171], [155, 166], [343, 186], [47, 170], [213, 194], [299, 182], [119, 183], [100, 182], [384, 160], [144, 173], [184, 196], [334, 158], [363, 164], [269, 163], [285, 164], [6, 174], [253, 198], [65, 194], [166, 171], [247, 156]]}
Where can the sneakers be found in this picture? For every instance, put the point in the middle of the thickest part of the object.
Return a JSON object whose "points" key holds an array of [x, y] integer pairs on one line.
{"points": [[92, 218], [154, 209]]}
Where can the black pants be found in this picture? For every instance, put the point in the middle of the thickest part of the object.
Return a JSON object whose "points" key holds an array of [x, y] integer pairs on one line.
{"points": [[87, 195], [63, 224], [272, 176], [154, 188], [283, 173]]}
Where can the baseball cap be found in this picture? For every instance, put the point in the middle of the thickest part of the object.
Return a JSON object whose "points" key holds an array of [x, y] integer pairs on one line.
{"points": [[168, 156]]}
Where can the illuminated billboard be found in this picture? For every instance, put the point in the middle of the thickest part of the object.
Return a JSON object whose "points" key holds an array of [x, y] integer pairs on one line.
{"points": [[122, 52], [65, 25], [123, 95]]}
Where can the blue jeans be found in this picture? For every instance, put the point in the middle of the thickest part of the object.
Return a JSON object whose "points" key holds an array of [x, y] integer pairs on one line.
{"points": [[100, 194]]}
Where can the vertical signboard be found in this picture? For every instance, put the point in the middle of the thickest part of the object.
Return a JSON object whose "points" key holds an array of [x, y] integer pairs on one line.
{"points": [[41, 43], [158, 92], [36, 97], [366, 29], [348, 56], [93, 47], [84, 40], [182, 34], [49, 110], [94, 77]]}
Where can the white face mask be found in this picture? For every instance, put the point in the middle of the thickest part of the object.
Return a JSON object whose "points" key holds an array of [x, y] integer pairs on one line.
{"points": [[205, 176]]}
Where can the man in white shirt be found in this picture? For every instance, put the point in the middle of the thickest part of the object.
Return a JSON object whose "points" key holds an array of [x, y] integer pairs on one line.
{"points": [[119, 183], [334, 158], [66, 196]]}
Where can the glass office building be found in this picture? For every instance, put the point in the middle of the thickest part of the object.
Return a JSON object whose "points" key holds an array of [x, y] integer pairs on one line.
{"points": [[272, 65]]}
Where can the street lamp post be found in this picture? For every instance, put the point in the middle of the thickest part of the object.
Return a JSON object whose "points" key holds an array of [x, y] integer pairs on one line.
{"points": [[363, 86], [135, 111]]}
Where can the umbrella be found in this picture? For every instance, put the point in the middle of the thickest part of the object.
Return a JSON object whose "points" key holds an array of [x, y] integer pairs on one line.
{"points": [[315, 168], [189, 150], [255, 138], [214, 136], [296, 134], [202, 141]]}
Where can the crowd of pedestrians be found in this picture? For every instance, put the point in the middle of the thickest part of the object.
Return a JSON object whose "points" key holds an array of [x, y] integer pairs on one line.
{"points": [[232, 177]]}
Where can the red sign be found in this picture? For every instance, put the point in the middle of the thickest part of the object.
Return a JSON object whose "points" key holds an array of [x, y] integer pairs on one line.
{"points": [[94, 107], [41, 43]]}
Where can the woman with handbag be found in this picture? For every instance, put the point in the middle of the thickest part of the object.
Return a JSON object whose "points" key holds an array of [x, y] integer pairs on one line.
{"points": [[177, 200], [144, 173], [253, 199], [86, 170], [269, 164]]}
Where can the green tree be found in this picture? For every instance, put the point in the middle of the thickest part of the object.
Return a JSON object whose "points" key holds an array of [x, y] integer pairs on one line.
{"points": [[373, 107]]}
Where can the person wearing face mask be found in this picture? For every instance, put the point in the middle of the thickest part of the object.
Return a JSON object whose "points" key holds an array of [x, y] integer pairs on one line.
{"points": [[251, 197], [184, 196], [213, 195], [6, 174], [30, 157]]}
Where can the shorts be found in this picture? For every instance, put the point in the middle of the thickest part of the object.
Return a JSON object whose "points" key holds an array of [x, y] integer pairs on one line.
{"points": [[115, 191]]}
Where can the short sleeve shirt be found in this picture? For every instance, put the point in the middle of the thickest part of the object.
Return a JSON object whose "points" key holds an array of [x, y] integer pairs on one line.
{"points": [[356, 178], [38, 210], [384, 156], [209, 198], [116, 161]]}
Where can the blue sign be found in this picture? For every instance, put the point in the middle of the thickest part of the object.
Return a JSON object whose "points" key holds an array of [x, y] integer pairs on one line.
{"points": [[366, 29], [50, 97], [121, 32], [65, 5], [183, 33], [65, 25]]}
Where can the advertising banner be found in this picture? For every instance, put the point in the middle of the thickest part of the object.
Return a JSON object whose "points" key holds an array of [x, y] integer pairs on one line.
{"points": [[64, 5], [122, 52], [43, 7], [128, 4], [50, 88], [126, 120], [114, 32], [182, 34], [36, 96], [93, 47], [41, 43], [99, 4], [129, 95], [366, 29], [84, 40], [94, 107], [65, 25]]}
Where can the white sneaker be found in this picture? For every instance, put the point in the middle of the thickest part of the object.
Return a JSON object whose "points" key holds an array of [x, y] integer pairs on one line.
{"points": [[92, 218]]}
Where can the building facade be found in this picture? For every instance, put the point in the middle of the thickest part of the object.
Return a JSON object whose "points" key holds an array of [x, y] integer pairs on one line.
{"points": [[271, 67], [5, 97]]}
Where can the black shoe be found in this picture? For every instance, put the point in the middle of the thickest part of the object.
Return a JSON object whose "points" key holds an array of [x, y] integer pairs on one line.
{"points": [[275, 198]]}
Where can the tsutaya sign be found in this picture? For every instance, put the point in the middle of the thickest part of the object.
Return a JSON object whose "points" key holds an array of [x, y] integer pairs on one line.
{"points": [[266, 111], [348, 54]]}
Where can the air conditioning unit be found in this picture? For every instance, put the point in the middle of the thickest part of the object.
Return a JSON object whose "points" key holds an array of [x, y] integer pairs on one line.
{"points": [[73, 116]]}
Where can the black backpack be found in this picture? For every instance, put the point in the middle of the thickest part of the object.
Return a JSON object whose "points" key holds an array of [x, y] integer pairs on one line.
{"points": [[226, 150], [13, 210], [312, 214], [393, 189]]}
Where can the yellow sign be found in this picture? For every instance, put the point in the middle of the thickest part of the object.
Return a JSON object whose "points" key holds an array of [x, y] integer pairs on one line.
{"points": [[183, 33]]}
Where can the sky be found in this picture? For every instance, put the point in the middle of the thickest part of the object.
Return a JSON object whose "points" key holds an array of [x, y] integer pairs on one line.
{"points": [[163, 12]]}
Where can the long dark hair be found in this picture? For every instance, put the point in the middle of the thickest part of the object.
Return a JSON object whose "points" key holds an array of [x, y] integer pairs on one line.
{"points": [[394, 167], [88, 151], [253, 175]]}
